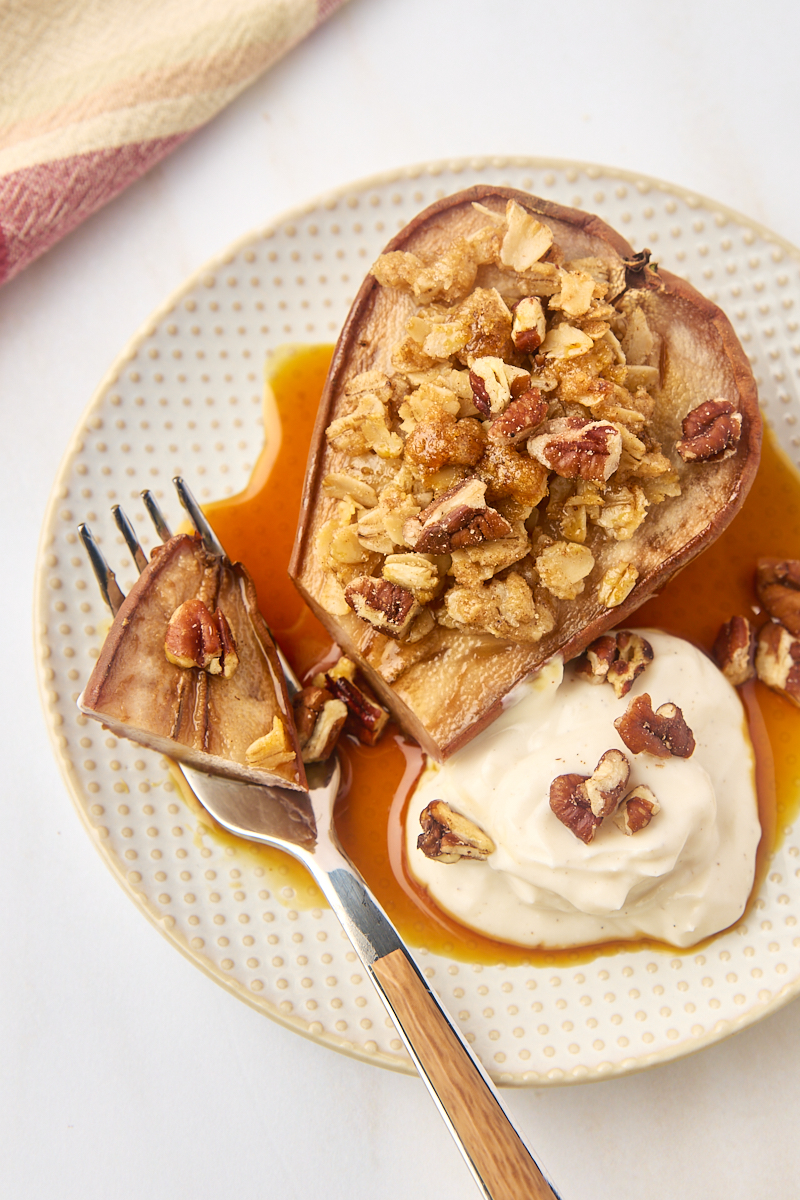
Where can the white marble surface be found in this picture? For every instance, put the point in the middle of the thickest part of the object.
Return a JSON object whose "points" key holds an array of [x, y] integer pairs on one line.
{"points": [[126, 1072]]}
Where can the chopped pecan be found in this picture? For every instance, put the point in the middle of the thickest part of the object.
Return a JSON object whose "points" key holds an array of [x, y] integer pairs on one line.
{"points": [[308, 704], [319, 720], [271, 750], [330, 723], [607, 782], [636, 810], [578, 449], [448, 836], [519, 381], [480, 394], [387, 607], [711, 432], [634, 653], [734, 650], [617, 659], [458, 518], [593, 664], [778, 660], [490, 387], [529, 326], [368, 719], [196, 638], [519, 420], [778, 589], [661, 733], [581, 802], [569, 802], [343, 668]]}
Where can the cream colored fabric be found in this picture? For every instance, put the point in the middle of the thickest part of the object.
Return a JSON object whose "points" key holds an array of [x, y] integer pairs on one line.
{"points": [[95, 92], [80, 77]]}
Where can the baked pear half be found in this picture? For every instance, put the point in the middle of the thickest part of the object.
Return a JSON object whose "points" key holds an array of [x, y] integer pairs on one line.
{"points": [[526, 430], [189, 669]]}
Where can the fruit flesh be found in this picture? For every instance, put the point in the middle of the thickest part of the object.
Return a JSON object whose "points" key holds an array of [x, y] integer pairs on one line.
{"points": [[447, 686]]}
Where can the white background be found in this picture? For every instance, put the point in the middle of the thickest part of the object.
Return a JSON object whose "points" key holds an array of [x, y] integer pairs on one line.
{"points": [[124, 1071]]}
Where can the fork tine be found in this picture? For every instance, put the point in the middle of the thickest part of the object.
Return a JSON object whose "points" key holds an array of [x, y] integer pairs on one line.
{"points": [[197, 517], [131, 541], [110, 590], [156, 516]]}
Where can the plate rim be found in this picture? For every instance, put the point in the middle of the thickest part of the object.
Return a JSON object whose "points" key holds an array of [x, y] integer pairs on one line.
{"points": [[723, 1028]]}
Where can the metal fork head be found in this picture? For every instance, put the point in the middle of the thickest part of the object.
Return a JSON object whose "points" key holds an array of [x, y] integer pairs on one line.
{"points": [[237, 805], [106, 579]]}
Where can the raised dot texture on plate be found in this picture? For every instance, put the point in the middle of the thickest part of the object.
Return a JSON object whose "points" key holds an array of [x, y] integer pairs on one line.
{"points": [[184, 397]]}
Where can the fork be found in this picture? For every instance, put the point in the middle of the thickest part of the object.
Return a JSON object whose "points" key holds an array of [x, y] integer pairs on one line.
{"points": [[498, 1159]]}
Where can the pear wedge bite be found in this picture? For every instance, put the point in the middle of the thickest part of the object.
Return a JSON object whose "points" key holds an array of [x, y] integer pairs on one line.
{"points": [[189, 669], [526, 430]]}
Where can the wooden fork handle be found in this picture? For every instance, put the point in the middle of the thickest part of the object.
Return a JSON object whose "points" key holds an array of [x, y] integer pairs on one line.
{"points": [[497, 1156]]}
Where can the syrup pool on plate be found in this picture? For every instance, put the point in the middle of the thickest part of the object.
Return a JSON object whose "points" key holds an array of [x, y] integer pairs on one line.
{"points": [[258, 527]]}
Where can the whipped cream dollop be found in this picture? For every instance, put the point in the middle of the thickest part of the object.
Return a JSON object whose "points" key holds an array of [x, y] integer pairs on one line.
{"points": [[687, 875]]}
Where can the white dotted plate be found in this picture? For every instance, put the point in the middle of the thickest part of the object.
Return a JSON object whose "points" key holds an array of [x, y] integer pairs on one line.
{"points": [[185, 397]]}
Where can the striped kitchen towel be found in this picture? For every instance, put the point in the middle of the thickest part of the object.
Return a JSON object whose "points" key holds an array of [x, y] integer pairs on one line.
{"points": [[94, 92]]}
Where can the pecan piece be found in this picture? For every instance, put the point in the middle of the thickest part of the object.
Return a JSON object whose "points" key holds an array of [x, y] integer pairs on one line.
{"points": [[778, 661], [366, 718], [637, 810], [607, 782], [578, 449], [569, 802], [734, 650], [529, 325], [480, 394], [593, 664], [617, 659], [711, 432], [634, 654], [661, 733], [778, 589], [386, 606], [519, 420], [196, 638], [319, 720], [459, 518], [448, 836]]}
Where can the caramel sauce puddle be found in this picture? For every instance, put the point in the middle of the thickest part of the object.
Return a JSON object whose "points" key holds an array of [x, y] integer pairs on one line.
{"points": [[257, 526]]}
